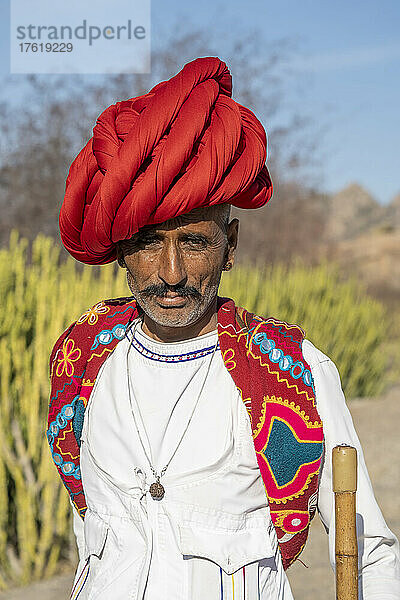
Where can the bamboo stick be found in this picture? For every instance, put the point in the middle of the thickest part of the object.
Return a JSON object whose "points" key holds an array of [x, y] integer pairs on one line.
{"points": [[344, 470]]}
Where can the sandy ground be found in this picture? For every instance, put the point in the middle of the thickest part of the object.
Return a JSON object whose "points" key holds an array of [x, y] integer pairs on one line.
{"points": [[377, 423]]}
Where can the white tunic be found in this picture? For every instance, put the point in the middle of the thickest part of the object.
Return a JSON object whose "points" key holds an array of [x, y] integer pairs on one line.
{"points": [[211, 536]]}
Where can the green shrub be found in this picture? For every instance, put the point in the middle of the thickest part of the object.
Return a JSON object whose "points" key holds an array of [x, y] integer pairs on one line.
{"points": [[337, 316]]}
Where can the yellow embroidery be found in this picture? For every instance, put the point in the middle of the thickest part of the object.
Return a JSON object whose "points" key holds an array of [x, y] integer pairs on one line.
{"points": [[70, 354], [92, 315]]}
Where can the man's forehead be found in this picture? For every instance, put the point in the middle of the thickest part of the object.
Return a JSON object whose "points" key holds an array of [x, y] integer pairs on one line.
{"points": [[199, 218], [199, 221]]}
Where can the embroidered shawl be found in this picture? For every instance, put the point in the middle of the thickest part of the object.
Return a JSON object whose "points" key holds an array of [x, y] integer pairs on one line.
{"points": [[264, 358]]}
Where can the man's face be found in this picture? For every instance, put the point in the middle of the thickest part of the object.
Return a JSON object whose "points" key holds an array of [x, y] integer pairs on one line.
{"points": [[174, 268]]}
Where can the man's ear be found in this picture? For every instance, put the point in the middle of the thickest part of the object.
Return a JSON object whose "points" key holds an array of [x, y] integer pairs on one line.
{"points": [[120, 257], [232, 235]]}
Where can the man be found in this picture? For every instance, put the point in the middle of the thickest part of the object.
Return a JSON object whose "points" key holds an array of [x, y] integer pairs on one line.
{"points": [[193, 437]]}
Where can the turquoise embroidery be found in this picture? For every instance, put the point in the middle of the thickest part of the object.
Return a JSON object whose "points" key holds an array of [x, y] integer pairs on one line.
{"points": [[285, 454], [107, 335], [77, 422], [66, 413], [284, 361]]}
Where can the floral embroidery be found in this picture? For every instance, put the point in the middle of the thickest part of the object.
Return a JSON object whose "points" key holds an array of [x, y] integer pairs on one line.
{"points": [[69, 355], [92, 315]]}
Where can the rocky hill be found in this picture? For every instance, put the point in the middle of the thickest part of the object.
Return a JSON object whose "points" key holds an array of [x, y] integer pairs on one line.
{"points": [[393, 212], [364, 237], [350, 212]]}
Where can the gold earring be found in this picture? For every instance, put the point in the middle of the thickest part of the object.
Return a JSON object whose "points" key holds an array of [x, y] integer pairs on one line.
{"points": [[228, 266]]}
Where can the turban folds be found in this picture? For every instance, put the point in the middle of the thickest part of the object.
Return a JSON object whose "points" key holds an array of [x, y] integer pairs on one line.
{"points": [[183, 145]]}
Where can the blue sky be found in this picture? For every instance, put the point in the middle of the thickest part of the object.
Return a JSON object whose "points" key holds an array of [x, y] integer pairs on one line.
{"points": [[350, 59]]}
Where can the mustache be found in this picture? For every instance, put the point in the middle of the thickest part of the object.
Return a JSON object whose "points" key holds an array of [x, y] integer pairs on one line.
{"points": [[162, 289]]}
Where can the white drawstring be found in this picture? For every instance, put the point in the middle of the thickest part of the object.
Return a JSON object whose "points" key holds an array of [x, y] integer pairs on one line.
{"points": [[142, 482]]}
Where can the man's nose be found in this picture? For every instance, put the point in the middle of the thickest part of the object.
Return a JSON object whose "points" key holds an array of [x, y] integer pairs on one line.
{"points": [[172, 269]]}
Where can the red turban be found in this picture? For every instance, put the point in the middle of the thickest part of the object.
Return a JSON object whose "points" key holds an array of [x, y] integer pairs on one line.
{"points": [[183, 145]]}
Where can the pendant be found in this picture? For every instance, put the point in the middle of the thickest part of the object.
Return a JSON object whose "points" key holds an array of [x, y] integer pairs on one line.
{"points": [[157, 490]]}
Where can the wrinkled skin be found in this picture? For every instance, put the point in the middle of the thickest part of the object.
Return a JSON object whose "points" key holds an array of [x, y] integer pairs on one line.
{"points": [[174, 270]]}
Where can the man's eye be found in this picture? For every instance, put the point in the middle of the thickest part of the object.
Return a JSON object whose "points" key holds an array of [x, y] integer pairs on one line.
{"points": [[149, 241], [195, 242]]}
